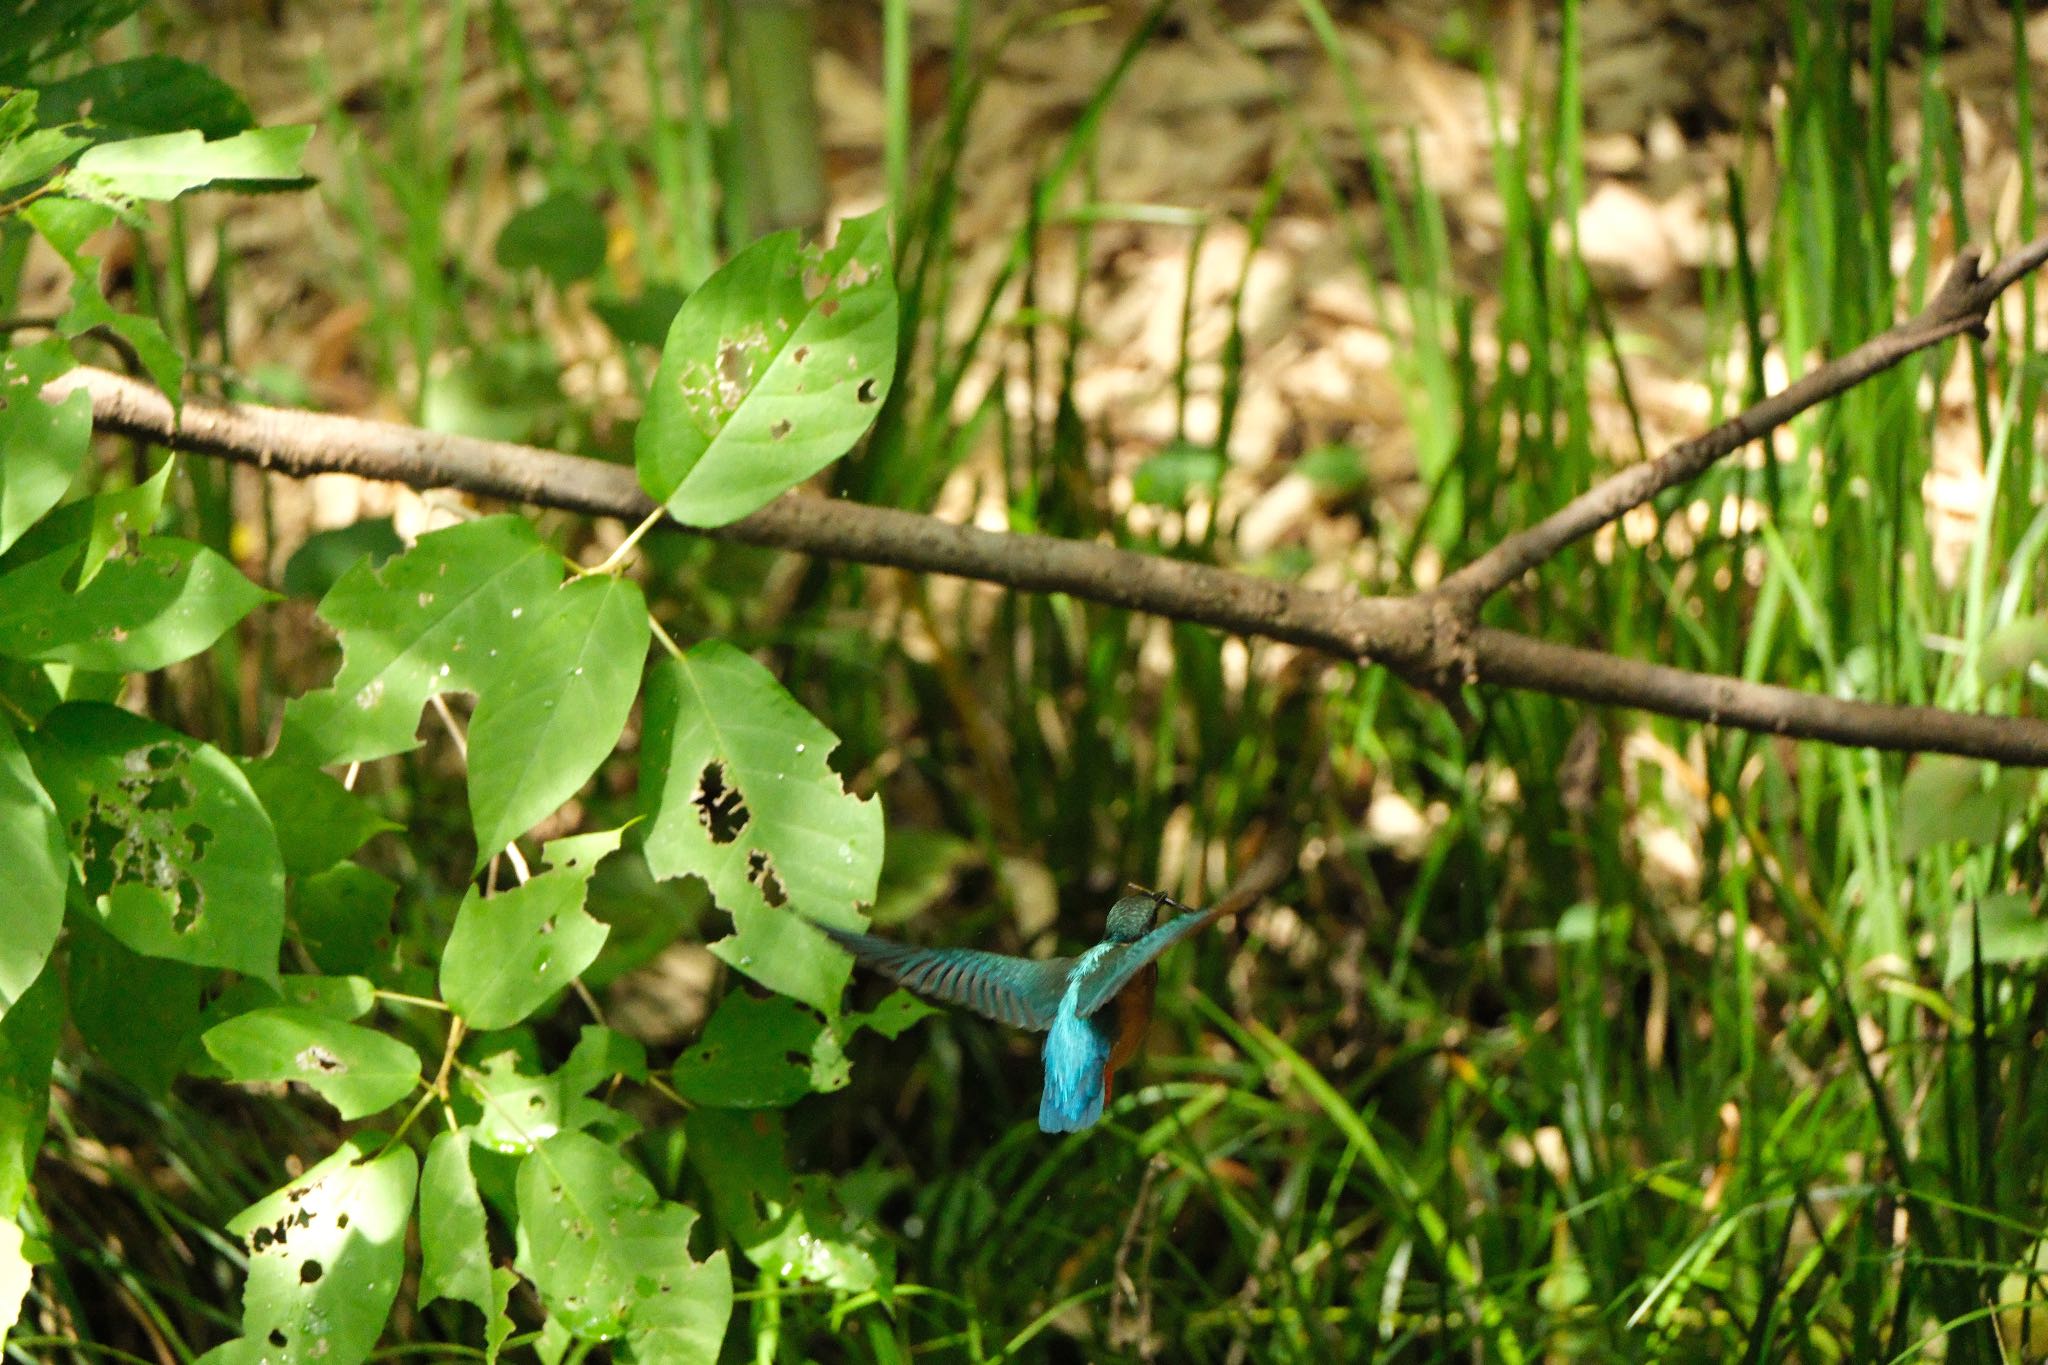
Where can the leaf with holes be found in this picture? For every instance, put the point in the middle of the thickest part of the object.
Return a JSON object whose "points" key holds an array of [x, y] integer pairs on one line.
{"points": [[121, 517], [480, 608], [738, 792], [516, 1109], [37, 864], [755, 1054], [44, 443], [162, 601], [357, 1070], [439, 618], [550, 718], [606, 1253], [509, 952], [787, 1224], [176, 854], [772, 370], [455, 1250], [326, 1254]]}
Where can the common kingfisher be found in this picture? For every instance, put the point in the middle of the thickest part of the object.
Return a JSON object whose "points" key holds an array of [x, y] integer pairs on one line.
{"points": [[1065, 997]]}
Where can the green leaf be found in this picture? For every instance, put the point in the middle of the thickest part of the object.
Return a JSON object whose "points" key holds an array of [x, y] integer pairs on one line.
{"points": [[2007, 931], [516, 1109], [167, 600], [683, 1322], [337, 997], [37, 32], [786, 1225], [326, 1254], [755, 1054], [455, 1249], [599, 1055], [1944, 799], [562, 236], [739, 794], [177, 856], [436, 619], [343, 917], [899, 1011], [327, 556], [144, 335], [644, 320], [772, 370], [498, 1326], [557, 709], [2010, 649], [37, 865], [67, 224], [609, 1256], [1168, 477], [27, 152], [327, 821], [509, 952], [42, 445], [152, 94], [1335, 468], [141, 1015], [357, 1070], [169, 164], [453, 615], [509, 391], [121, 518], [28, 1049]]}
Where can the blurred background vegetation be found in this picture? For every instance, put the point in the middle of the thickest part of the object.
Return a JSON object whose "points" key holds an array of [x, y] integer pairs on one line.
{"points": [[1579, 1035]]}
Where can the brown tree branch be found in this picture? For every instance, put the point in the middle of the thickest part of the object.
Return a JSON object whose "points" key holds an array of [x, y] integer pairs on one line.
{"points": [[1958, 306], [1409, 634]]}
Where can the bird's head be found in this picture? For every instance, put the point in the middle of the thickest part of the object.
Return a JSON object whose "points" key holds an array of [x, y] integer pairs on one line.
{"points": [[1131, 918]]}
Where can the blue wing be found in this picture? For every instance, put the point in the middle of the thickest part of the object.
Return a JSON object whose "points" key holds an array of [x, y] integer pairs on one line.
{"points": [[1112, 969], [1019, 991]]}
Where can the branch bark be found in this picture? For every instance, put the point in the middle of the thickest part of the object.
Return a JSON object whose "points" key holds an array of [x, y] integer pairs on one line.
{"points": [[1409, 634]]}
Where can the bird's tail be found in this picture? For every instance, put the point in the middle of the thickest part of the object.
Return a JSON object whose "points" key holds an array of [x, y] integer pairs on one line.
{"points": [[1076, 1063]]}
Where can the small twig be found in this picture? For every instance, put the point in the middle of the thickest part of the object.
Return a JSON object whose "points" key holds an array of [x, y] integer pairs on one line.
{"points": [[1960, 305], [1134, 1331]]}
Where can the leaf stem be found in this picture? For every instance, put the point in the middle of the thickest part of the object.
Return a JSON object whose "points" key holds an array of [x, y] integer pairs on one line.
{"points": [[616, 558], [667, 641]]}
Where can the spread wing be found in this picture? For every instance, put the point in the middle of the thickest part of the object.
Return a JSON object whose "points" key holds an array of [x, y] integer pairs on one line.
{"points": [[1112, 969], [1019, 991]]}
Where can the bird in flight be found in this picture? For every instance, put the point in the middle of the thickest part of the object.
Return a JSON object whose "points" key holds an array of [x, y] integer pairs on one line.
{"points": [[1093, 1008]]}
